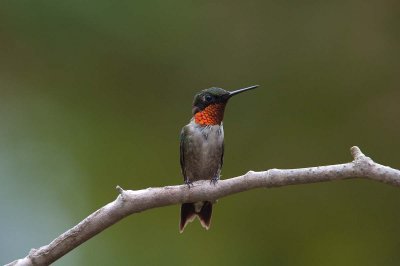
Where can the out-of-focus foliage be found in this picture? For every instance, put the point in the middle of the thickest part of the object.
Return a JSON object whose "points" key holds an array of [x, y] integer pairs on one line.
{"points": [[94, 94]]}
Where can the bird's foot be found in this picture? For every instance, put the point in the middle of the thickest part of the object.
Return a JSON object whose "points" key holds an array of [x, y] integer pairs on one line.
{"points": [[189, 183], [214, 180]]}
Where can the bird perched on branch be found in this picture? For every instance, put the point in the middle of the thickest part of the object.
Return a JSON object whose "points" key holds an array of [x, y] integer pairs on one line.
{"points": [[202, 148]]}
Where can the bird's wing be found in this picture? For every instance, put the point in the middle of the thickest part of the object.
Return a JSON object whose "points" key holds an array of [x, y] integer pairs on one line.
{"points": [[182, 153]]}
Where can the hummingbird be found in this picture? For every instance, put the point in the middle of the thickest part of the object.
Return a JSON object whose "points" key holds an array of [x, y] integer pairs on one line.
{"points": [[202, 148]]}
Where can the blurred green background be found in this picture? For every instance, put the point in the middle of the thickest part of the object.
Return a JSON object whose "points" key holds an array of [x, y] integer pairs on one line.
{"points": [[93, 94]]}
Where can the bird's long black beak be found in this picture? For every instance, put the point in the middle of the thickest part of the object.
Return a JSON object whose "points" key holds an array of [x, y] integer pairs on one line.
{"points": [[232, 93]]}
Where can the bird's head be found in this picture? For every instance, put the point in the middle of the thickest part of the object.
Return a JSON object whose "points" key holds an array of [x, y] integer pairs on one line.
{"points": [[209, 104]]}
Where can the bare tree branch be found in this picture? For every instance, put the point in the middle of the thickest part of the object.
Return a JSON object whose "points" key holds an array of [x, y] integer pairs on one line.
{"points": [[129, 201]]}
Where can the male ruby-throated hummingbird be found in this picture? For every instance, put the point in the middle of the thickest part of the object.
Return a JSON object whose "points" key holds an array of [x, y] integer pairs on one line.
{"points": [[202, 148]]}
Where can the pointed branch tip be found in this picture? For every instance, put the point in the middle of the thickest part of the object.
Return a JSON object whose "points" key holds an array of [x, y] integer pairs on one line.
{"points": [[119, 189], [356, 152]]}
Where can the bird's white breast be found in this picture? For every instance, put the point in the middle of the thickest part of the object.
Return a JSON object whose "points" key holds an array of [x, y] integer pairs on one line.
{"points": [[206, 151]]}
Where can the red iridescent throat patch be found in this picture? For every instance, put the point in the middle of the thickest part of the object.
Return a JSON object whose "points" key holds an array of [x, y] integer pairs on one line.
{"points": [[211, 115]]}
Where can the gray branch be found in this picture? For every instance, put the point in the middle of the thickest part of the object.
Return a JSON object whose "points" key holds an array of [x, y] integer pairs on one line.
{"points": [[130, 201]]}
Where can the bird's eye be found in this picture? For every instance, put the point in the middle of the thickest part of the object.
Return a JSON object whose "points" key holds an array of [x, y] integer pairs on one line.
{"points": [[208, 98]]}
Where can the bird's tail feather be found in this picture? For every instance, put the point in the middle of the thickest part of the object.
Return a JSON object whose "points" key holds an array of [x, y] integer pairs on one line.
{"points": [[189, 211]]}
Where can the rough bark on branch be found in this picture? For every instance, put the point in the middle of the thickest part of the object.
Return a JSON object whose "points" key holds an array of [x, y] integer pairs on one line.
{"points": [[129, 201]]}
